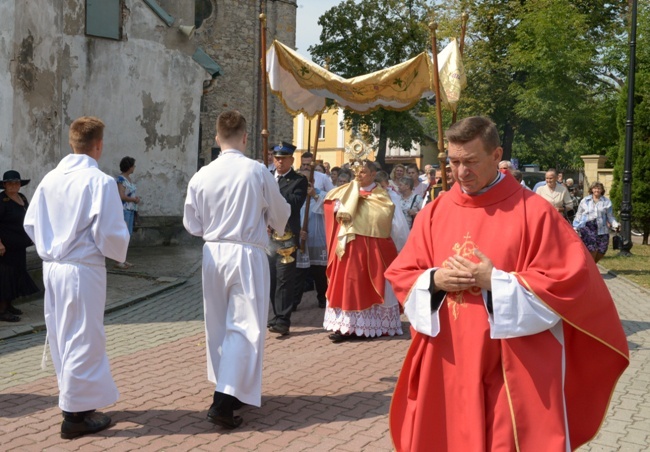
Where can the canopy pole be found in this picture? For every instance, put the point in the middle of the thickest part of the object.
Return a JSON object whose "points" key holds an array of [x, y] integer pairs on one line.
{"points": [[461, 47], [265, 119], [442, 156], [305, 221]]}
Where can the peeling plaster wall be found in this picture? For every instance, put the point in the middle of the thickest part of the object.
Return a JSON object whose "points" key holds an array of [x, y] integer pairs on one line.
{"points": [[6, 91], [231, 36], [145, 87]]}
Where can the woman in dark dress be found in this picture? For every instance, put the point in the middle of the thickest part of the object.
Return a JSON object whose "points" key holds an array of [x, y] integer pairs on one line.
{"points": [[14, 279]]}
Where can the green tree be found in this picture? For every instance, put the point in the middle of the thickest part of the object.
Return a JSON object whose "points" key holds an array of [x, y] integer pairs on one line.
{"points": [[545, 72], [641, 133], [360, 38]]}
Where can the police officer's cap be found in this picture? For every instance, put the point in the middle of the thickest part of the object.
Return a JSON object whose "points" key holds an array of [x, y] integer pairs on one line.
{"points": [[284, 149]]}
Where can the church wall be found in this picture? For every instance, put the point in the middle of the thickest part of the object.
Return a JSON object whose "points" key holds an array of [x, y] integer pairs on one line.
{"points": [[6, 91], [231, 36], [146, 87]]}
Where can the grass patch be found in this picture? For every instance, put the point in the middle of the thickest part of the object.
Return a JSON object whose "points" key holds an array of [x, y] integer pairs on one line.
{"points": [[635, 268]]}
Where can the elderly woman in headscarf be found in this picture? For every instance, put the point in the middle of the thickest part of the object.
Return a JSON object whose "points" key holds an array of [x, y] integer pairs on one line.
{"points": [[14, 279]]}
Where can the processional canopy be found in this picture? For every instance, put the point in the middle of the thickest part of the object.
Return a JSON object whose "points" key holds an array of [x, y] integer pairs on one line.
{"points": [[303, 86]]}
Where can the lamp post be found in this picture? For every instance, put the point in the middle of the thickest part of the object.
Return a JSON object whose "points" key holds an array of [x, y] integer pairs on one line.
{"points": [[626, 204]]}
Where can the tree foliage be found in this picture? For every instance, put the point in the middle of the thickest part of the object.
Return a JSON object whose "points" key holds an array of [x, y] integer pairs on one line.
{"points": [[364, 37], [548, 72], [543, 71]]}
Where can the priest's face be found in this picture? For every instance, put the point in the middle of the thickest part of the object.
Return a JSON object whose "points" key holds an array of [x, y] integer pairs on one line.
{"points": [[365, 176], [472, 165]]}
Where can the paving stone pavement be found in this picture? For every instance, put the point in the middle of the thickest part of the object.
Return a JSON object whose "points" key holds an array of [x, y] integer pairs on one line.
{"points": [[317, 396]]}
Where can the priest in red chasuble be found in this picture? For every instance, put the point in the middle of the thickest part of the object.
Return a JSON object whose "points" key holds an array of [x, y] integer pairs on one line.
{"points": [[364, 231], [517, 344]]}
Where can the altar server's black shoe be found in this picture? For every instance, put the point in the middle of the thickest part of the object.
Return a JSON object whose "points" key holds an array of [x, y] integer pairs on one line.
{"points": [[14, 310], [228, 421], [78, 424], [282, 330]]}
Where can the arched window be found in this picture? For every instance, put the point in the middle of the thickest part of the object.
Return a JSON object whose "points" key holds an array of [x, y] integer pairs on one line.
{"points": [[202, 10]]}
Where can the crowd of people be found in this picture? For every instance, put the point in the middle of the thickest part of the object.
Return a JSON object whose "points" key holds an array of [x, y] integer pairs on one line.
{"points": [[592, 217], [516, 342]]}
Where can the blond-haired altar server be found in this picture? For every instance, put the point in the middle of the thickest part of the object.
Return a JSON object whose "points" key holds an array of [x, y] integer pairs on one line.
{"points": [[75, 220]]}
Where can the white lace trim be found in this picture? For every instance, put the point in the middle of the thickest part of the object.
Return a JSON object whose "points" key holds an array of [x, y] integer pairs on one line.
{"points": [[379, 320]]}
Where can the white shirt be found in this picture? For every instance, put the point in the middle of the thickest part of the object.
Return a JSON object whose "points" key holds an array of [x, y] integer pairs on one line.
{"points": [[322, 181], [558, 197]]}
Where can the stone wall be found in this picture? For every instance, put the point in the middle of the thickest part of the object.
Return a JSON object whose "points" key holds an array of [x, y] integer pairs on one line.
{"points": [[595, 171], [145, 86], [231, 36]]}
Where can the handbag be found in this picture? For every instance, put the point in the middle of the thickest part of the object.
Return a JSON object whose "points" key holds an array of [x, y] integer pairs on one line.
{"points": [[617, 242]]}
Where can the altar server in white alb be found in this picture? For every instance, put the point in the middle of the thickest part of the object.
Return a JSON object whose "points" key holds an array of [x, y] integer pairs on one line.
{"points": [[230, 203], [75, 220]]}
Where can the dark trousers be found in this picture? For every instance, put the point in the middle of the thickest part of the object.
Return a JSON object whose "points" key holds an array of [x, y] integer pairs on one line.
{"points": [[283, 277], [223, 403], [317, 272]]}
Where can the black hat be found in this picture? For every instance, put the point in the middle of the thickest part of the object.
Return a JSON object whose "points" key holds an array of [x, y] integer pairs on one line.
{"points": [[284, 149], [13, 176]]}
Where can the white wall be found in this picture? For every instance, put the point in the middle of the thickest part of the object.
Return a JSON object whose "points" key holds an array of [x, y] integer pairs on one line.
{"points": [[6, 91], [146, 88]]}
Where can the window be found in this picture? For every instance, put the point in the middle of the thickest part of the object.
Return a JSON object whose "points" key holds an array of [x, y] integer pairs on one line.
{"points": [[104, 18], [202, 10], [321, 130]]}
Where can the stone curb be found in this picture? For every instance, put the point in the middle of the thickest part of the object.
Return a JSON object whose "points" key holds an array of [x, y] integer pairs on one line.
{"points": [[627, 280], [114, 306]]}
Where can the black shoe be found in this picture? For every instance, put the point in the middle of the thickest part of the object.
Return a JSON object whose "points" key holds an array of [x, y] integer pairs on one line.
{"points": [[226, 421], [9, 317], [91, 423], [237, 404], [14, 310], [338, 337], [282, 330]]}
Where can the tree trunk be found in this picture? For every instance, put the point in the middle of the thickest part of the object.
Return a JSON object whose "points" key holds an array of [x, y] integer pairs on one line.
{"points": [[381, 147], [506, 142]]}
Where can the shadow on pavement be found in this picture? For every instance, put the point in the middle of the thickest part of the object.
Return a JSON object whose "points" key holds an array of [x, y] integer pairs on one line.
{"points": [[15, 405], [278, 413], [632, 327]]}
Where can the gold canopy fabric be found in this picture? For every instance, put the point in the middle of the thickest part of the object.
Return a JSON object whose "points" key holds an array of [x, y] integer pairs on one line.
{"points": [[304, 86]]}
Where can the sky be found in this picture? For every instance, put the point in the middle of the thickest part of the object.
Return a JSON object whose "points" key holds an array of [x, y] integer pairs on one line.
{"points": [[307, 28]]}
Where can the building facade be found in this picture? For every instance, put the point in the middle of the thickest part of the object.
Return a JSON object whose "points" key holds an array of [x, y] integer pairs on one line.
{"points": [[158, 88], [334, 142]]}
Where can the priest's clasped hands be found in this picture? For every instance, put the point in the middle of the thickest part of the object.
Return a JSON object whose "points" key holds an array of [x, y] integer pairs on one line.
{"points": [[460, 274]]}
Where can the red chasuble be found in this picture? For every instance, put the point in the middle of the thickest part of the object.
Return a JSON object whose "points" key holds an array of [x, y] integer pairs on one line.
{"points": [[356, 280], [462, 390]]}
